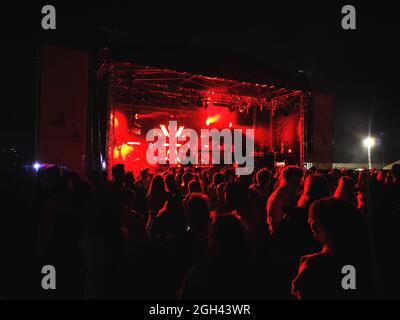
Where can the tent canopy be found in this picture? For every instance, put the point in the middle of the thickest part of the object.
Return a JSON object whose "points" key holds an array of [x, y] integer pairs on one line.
{"points": [[389, 167]]}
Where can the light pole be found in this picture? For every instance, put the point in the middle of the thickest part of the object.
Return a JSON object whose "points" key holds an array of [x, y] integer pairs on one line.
{"points": [[383, 150], [369, 143]]}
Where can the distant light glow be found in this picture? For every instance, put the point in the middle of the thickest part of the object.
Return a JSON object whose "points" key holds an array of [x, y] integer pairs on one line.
{"points": [[37, 166], [369, 142], [103, 165]]}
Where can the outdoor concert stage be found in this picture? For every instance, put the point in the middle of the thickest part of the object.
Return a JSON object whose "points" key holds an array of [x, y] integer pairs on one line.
{"points": [[144, 98], [103, 119]]}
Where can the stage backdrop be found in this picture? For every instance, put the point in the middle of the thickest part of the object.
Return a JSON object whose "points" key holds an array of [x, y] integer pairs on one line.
{"points": [[63, 107], [322, 129], [287, 129]]}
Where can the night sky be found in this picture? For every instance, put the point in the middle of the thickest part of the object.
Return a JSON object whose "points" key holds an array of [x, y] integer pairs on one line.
{"points": [[359, 68]]}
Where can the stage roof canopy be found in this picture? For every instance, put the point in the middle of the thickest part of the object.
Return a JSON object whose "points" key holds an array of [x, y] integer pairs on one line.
{"points": [[214, 62], [133, 83]]}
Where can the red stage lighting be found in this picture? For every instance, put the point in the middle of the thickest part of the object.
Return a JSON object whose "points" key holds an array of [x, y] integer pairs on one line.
{"points": [[213, 119], [122, 151], [280, 164], [119, 121]]}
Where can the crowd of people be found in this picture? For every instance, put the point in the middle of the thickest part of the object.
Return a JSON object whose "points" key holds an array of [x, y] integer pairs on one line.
{"points": [[200, 233]]}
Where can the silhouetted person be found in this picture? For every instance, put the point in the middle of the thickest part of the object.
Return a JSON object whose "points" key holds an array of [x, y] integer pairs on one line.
{"points": [[170, 183], [130, 180], [183, 249], [295, 236], [340, 230], [186, 178], [284, 196], [143, 181], [118, 174], [218, 178], [262, 190], [194, 187], [262, 182], [386, 217], [60, 229], [169, 220], [346, 190], [228, 271], [156, 197], [236, 196]]}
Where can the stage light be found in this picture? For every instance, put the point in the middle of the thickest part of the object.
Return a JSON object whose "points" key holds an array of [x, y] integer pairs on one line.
{"points": [[122, 151], [125, 151], [214, 119], [290, 151], [103, 162], [37, 166], [369, 142], [136, 116], [206, 105], [230, 125]]}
